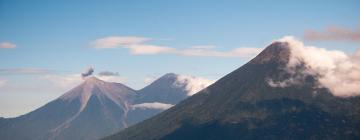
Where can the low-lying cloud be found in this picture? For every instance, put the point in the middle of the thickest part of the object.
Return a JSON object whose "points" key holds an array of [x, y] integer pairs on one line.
{"points": [[338, 71], [141, 46], [154, 105], [333, 33], [192, 84]]}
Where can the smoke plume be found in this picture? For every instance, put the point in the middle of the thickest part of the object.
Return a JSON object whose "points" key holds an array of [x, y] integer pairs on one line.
{"points": [[87, 72]]}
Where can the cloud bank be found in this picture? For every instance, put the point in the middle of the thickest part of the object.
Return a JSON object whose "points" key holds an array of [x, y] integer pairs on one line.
{"points": [[140, 46], [192, 84], [154, 105], [7, 45], [339, 72], [332, 33]]}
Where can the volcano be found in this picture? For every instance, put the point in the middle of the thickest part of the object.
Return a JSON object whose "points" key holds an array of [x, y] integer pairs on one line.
{"points": [[253, 102], [94, 109], [89, 111]]}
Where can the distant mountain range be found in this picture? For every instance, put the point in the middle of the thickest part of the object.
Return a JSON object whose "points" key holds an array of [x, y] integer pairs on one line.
{"points": [[93, 110], [245, 104]]}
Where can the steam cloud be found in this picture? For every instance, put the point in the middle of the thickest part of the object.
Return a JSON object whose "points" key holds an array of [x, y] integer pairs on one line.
{"points": [[339, 72], [87, 72]]}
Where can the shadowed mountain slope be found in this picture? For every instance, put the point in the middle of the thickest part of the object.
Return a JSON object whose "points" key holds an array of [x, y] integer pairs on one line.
{"points": [[245, 105]]}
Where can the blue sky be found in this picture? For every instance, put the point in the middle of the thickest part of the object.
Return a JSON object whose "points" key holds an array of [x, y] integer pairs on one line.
{"points": [[54, 39]]}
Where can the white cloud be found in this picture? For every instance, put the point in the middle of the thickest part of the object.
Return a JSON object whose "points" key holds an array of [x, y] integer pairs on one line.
{"points": [[140, 46], [25, 71], [7, 45], [117, 41], [338, 71], [141, 49], [154, 105], [192, 84]]}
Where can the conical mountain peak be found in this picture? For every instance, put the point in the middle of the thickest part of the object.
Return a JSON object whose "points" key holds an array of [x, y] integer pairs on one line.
{"points": [[253, 100], [94, 86], [169, 76], [277, 52]]}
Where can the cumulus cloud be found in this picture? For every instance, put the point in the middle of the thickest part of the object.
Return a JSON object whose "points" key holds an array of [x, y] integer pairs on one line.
{"points": [[27, 71], [136, 45], [334, 33], [192, 84], [338, 71], [154, 105], [7, 45], [117, 41], [141, 49], [141, 46], [89, 71]]}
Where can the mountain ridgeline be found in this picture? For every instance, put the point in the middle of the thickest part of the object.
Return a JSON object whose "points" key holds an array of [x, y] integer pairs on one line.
{"points": [[92, 110], [243, 105]]}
